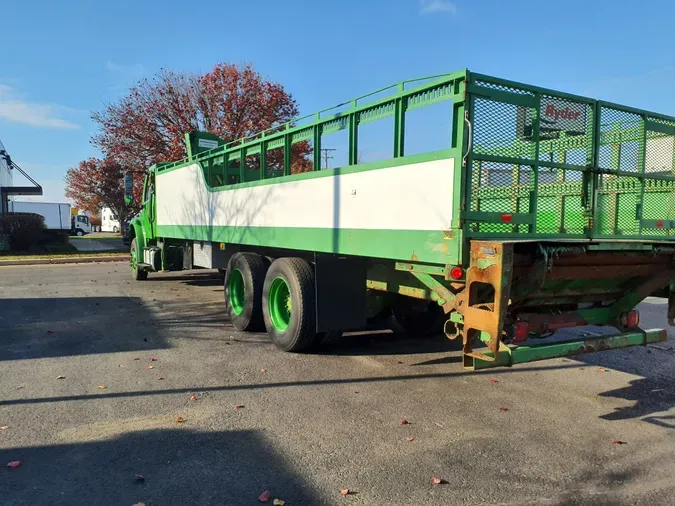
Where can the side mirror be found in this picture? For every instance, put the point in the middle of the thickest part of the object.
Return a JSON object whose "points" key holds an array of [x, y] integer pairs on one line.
{"points": [[128, 188]]}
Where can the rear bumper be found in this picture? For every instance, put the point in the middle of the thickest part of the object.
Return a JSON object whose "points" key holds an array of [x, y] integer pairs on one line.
{"points": [[510, 355]]}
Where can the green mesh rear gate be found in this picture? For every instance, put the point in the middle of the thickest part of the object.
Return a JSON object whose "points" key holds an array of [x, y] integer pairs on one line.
{"points": [[553, 165]]}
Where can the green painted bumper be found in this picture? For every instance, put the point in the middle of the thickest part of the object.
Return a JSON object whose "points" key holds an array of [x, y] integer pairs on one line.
{"points": [[521, 354]]}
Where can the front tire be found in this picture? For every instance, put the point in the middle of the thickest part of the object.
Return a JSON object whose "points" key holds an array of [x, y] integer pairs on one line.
{"points": [[136, 273], [243, 291], [289, 304], [79, 232]]}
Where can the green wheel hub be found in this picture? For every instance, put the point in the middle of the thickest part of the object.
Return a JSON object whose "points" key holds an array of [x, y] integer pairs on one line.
{"points": [[236, 291], [280, 303]]}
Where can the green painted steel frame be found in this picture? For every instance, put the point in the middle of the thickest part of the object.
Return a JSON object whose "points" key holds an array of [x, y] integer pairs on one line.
{"points": [[310, 128], [652, 126], [509, 356]]}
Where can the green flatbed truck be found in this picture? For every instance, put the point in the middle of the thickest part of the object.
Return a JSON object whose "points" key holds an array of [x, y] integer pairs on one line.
{"points": [[542, 211]]}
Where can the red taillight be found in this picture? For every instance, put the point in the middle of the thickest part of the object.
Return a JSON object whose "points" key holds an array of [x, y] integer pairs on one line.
{"points": [[507, 218], [456, 273], [631, 319], [659, 223], [520, 331]]}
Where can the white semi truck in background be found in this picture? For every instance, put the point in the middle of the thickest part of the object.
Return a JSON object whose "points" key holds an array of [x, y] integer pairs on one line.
{"points": [[58, 216]]}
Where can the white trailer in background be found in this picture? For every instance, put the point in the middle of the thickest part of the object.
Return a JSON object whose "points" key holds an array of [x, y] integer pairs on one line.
{"points": [[56, 215], [108, 221]]}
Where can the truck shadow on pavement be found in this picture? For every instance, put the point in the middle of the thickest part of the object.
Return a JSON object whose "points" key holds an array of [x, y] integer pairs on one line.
{"points": [[59, 327], [176, 466]]}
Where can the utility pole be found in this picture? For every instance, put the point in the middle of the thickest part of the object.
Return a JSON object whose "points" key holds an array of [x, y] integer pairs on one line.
{"points": [[324, 153]]}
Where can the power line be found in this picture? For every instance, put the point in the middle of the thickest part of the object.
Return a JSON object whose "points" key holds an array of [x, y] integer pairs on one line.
{"points": [[324, 153]]}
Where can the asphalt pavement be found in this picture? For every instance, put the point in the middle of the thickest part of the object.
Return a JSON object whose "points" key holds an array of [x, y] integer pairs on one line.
{"points": [[115, 392]]}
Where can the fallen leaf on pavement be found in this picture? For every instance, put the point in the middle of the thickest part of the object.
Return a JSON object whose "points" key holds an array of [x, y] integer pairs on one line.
{"points": [[278, 502], [60, 377], [404, 422], [492, 380], [345, 491], [239, 406], [159, 378], [101, 387], [50, 332], [619, 442], [410, 438], [602, 369], [437, 481], [150, 367], [138, 479], [180, 419], [265, 496], [153, 359], [137, 358], [14, 463], [4, 427], [193, 397], [262, 370], [503, 410]]}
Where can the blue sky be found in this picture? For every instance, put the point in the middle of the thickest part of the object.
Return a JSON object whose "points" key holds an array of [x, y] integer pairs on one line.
{"points": [[61, 60]]}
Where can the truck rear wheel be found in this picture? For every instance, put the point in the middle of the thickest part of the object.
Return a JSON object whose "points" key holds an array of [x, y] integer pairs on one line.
{"points": [[136, 273], [243, 291], [289, 305]]}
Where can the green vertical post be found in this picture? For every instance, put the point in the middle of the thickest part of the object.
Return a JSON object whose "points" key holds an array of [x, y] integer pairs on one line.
{"points": [[288, 149], [317, 146], [592, 178], [642, 162], [535, 166], [399, 123], [353, 137], [263, 159], [242, 165]]}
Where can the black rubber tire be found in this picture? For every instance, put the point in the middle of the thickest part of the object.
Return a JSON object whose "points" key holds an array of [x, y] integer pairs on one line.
{"points": [[301, 331], [253, 269], [417, 317], [79, 232], [136, 273]]}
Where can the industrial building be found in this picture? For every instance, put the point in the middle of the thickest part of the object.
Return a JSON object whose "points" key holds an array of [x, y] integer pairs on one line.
{"points": [[7, 188]]}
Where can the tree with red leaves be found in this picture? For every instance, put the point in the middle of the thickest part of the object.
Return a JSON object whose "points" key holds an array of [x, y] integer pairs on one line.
{"points": [[148, 125], [95, 183]]}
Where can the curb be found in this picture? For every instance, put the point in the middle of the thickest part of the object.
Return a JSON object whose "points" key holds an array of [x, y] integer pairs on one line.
{"points": [[77, 260]]}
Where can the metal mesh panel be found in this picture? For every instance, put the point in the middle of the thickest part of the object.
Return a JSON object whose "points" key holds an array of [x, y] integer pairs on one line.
{"points": [[559, 209], [633, 165], [621, 140], [503, 87], [501, 188], [565, 131], [499, 129], [658, 207], [618, 200], [660, 151]]}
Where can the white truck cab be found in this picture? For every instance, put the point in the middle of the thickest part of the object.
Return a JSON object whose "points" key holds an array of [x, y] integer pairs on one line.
{"points": [[79, 225]]}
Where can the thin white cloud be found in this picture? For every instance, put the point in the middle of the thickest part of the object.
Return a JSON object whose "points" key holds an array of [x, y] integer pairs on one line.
{"points": [[14, 108], [134, 69], [436, 6]]}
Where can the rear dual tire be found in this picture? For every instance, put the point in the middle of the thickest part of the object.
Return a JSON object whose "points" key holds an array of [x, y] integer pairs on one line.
{"points": [[289, 304], [243, 291], [279, 298]]}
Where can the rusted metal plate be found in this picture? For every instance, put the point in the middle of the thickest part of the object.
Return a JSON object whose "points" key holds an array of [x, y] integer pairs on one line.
{"points": [[485, 299]]}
